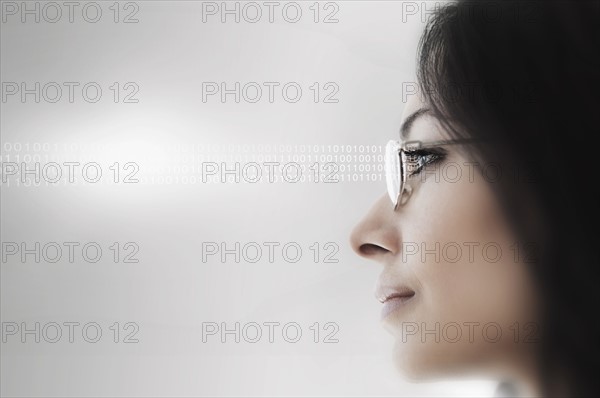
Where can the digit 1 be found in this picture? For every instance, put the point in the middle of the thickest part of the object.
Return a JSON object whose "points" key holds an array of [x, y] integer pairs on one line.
{"points": [[315, 9], [115, 248], [315, 248], [115, 169], [115, 89], [115, 9], [515, 248], [515, 328], [115, 328], [315, 168], [315, 329], [315, 89]]}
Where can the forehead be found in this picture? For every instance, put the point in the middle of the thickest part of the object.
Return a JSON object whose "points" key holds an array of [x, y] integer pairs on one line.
{"points": [[413, 128], [414, 103]]}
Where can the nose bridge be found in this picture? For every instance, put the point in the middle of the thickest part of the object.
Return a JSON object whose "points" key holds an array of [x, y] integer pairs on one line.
{"points": [[378, 233]]}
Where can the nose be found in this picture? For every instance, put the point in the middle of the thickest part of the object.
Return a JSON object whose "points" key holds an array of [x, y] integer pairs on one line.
{"points": [[377, 236]]}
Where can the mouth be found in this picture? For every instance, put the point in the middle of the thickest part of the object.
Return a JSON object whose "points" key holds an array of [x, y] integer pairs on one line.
{"points": [[394, 301]]}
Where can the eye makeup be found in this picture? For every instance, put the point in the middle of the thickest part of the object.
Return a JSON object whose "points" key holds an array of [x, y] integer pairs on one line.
{"points": [[418, 159]]}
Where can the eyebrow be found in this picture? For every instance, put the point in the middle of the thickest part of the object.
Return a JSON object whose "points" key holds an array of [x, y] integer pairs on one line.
{"points": [[408, 122]]}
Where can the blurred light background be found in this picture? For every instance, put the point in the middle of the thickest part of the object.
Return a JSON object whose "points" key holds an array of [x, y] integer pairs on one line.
{"points": [[166, 56]]}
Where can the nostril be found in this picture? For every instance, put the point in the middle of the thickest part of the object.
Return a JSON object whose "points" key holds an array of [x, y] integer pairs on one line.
{"points": [[369, 249]]}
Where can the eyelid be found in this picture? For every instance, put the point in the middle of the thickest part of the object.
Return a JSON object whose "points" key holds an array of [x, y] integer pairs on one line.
{"points": [[427, 151]]}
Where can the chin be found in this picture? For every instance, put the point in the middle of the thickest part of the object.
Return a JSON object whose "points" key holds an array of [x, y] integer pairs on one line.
{"points": [[411, 362]]}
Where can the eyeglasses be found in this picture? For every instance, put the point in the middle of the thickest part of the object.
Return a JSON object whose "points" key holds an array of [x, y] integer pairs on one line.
{"points": [[398, 164]]}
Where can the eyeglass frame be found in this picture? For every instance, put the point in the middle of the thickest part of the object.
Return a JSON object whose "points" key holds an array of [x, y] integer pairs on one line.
{"points": [[402, 149]]}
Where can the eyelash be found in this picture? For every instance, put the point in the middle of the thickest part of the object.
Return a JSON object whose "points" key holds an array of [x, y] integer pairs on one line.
{"points": [[418, 160]]}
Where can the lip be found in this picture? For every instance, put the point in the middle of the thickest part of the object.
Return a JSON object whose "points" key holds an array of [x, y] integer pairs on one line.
{"points": [[393, 299]]}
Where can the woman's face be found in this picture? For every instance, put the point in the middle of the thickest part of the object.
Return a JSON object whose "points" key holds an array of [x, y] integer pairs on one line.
{"points": [[465, 302]]}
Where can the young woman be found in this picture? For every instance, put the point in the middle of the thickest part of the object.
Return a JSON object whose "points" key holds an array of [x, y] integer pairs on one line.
{"points": [[489, 234]]}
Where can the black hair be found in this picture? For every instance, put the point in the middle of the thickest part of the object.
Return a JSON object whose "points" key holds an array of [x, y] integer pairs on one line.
{"points": [[525, 78]]}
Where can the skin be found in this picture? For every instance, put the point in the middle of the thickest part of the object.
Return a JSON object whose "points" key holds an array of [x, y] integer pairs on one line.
{"points": [[473, 287]]}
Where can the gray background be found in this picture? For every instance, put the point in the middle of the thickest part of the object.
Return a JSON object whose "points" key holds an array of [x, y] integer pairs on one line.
{"points": [[170, 292]]}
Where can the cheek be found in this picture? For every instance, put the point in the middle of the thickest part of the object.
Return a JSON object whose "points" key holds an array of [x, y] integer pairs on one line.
{"points": [[449, 210], [479, 269], [469, 273]]}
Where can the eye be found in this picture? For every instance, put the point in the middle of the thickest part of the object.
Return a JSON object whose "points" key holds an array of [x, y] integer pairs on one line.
{"points": [[417, 160]]}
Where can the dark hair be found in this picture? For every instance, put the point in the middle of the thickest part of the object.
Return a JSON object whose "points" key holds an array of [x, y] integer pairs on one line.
{"points": [[525, 77]]}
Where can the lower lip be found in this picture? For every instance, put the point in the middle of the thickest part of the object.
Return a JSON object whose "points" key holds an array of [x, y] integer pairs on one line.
{"points": [[394, 304]]}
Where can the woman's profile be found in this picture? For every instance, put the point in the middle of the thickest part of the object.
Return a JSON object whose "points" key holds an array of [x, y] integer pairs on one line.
{"points": [[488, 233]]}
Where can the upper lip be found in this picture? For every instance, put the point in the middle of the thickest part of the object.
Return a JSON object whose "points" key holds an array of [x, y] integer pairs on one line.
{"points": [[385, 293]]}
